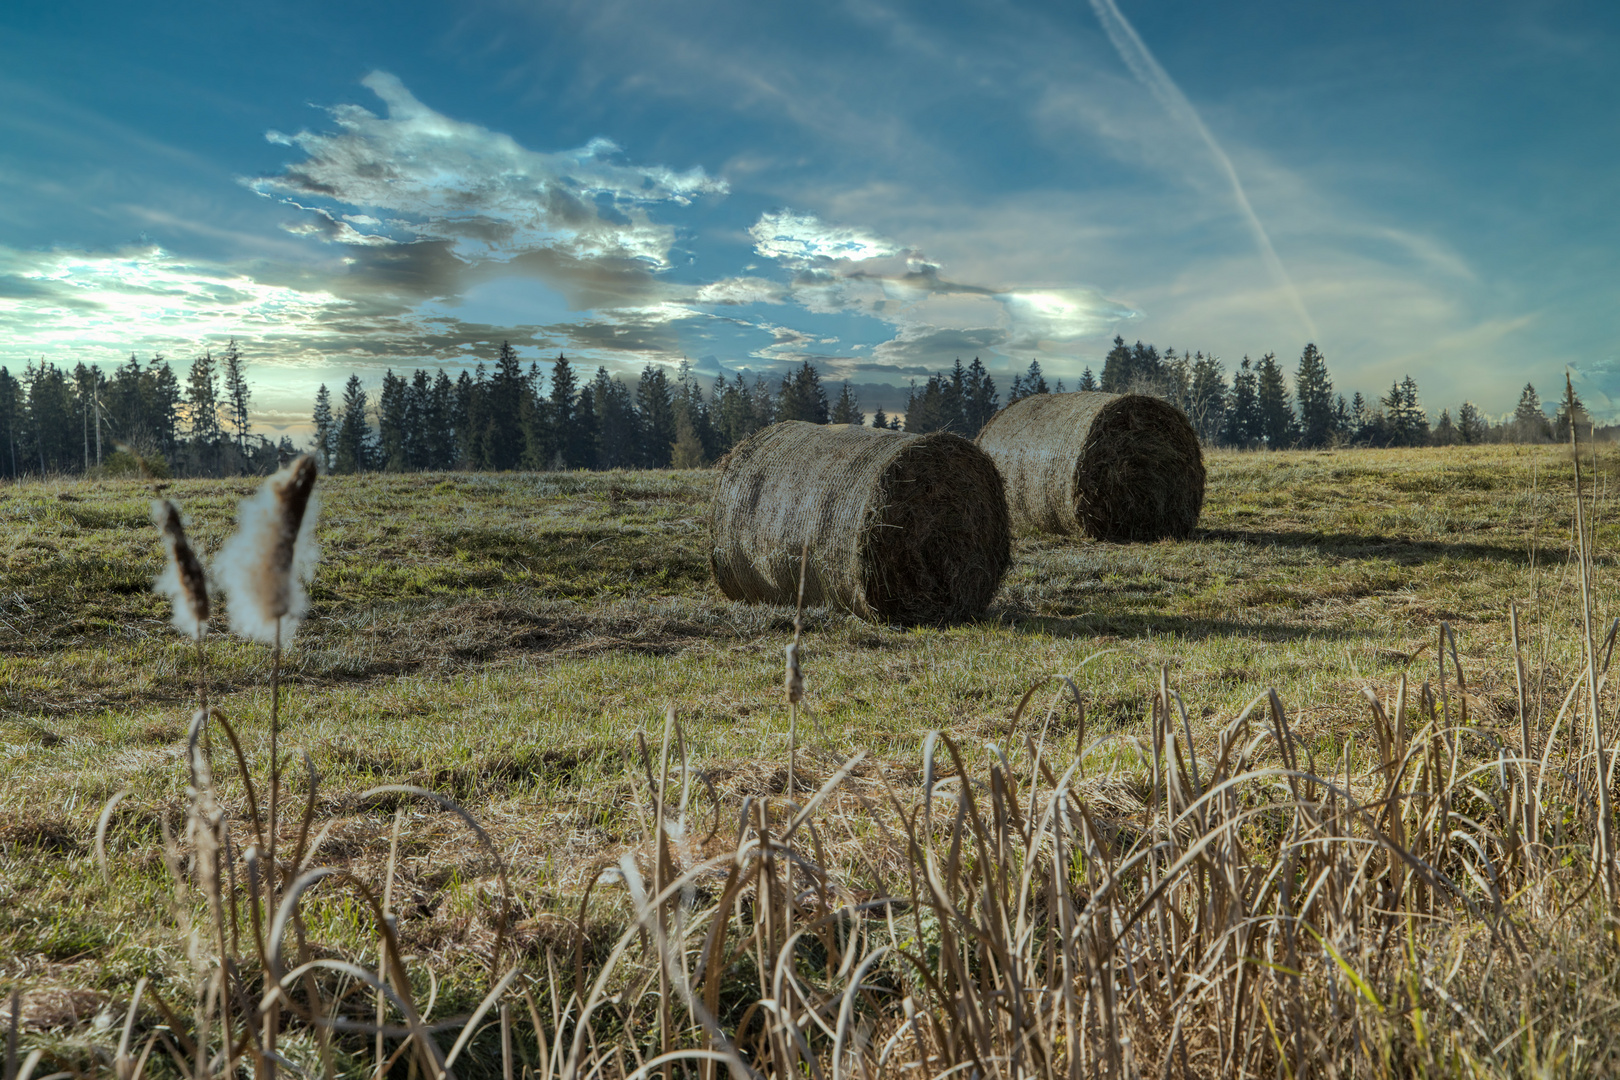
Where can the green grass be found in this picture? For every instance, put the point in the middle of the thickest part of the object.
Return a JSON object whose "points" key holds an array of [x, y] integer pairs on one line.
{"points": [[504, 639]]}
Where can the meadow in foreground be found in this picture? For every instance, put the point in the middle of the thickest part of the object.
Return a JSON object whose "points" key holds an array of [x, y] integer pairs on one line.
{"points": [[515, 642]]}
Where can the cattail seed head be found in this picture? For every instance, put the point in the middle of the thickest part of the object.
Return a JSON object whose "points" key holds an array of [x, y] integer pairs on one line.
{"points": [[793, 681], [264, 566], [183, 579]]}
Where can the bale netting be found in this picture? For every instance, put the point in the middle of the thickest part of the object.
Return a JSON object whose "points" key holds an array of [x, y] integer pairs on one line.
{"points": [[901, 528], [1115, 466]]}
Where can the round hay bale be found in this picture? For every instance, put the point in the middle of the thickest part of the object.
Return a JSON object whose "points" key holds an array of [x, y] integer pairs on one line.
{"points": [[901, 528], [1114, 466]]}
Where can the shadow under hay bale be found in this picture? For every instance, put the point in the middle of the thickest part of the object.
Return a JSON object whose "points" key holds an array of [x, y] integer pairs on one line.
{"points": [[1116, 467], [901, 528]]}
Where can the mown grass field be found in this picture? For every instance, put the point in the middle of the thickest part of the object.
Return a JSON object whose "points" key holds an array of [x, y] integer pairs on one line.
{"points": [[504, 639]]}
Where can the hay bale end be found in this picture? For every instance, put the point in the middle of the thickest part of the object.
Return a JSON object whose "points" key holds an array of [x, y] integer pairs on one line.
{"points": [[1119, 467], [903, 528]]}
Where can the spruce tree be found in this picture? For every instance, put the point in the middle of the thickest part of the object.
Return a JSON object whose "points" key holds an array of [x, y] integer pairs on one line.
{"points": [[980, 400], [1470, 425], [619, 436], [1088, 382], [880, 419], [10, 415], [161, 390], [1243, 427], [1117, 369], [325, 429], [585, 428], [1361, 420], [391, 423], [1315, 393], [1027, 385], [499, 423], [1529, 422], [202, 413], [569, 448], [233, 371], [1571, 413], [847, 410], [1277, 424], [1445, 432], [656, 407], [354, 443], [932, 408], [418, 398], [1207, 398], [802, 396]]}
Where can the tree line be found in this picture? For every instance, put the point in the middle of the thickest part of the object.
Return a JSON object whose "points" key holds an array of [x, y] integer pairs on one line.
{"points": [[53, 420], [507, 416], [1255, 408]]}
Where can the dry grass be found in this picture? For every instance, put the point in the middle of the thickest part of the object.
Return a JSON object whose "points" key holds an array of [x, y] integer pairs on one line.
{"points": [[1364, 875]]}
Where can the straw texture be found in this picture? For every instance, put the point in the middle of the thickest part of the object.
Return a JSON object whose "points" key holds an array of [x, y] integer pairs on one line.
{"points": [[1116, 467], [901, 528]]}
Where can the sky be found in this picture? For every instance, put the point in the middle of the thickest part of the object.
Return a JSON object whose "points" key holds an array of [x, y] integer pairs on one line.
{"points": [[880, 188]]}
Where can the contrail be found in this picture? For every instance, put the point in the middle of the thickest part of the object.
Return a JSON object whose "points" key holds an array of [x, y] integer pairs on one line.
{"points": [[1158, 81]]}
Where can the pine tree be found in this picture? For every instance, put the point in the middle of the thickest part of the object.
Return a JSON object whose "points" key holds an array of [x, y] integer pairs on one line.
{"points": [[934, 407], [1058, 387], [1529, 422], [202, 412], [620, 439], [847, 409], [584, 430], [1315, 393], [325, 429], [1361, 420], [1571, 413], [1117, 368], [1445, 432], [1243, 427], [391, 423], [1470, 425], [440, 424], [10, 417], [1088, 382], [233, 370], [656, 406], [500, 424], [980, 400], [687, 450], [354, 441], [802, 396], [880, 419], [570, 448], [1416, 418], [692, 411], [1277, 424], [418, 397], [1207, 398], [160, 390], [1032, 382]]}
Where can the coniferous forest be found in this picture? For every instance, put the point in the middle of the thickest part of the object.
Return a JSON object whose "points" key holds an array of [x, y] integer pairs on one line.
{"points": [[508, 416]]}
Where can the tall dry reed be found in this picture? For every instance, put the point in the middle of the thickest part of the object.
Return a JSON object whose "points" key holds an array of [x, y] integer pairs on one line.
{"points": [[1430, 902]]}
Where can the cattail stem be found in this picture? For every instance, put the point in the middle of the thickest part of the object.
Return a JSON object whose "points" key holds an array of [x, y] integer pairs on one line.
{"points": [[1604, 823], [273, 875]]}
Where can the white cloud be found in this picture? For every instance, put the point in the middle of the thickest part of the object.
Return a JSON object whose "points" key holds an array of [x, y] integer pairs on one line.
{"points": [[59, 300], [429, 177], [801, 239]]}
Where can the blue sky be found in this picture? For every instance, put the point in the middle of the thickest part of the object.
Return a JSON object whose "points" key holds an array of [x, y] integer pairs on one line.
{"points": [[1423, 188]]}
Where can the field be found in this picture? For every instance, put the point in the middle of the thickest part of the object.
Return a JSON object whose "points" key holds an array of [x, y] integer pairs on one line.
{"points": [[505, 640]]}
